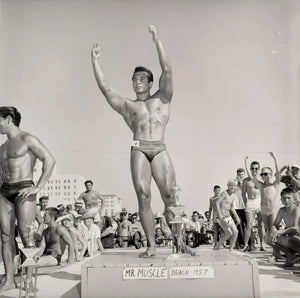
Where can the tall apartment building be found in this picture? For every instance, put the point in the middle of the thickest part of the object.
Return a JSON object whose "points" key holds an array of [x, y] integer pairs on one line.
{"points": [[61, 189], [112, 204]]}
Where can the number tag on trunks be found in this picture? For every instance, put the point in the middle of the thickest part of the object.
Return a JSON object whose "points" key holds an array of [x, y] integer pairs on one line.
{"points": [[135, 143]]}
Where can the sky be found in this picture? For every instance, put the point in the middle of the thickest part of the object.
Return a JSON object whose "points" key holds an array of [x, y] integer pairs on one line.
{"points": [[236, 85]]}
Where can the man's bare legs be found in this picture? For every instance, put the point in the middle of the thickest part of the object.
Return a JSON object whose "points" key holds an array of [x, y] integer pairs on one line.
{"points": [[230, 231], [25, 210], [7, 227], [260, 227], [164, 176], [141, 175]]}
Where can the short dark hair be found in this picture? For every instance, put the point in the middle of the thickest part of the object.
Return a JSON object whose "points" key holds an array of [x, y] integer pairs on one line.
{"points": [[43, 198], [52, 212], [240, 170], [13, 113], [146, 70], [253, 163], [217, 186], [286, 191], [88, 181]]}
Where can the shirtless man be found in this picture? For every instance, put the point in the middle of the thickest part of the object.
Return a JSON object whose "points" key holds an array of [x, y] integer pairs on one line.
{"points": [[124, 229], [147, 117], [91, 200], [212, 209], [251, 195], [18, 156], [287, 240], [50, 250], [224, 208], [268, 192], [76, 236]]}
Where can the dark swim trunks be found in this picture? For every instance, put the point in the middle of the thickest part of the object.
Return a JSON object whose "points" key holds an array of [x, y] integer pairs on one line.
{"points": [[149, 148], [11, 190]]}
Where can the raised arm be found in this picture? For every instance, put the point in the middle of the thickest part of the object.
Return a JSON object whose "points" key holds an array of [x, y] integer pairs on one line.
{"points": [[42, 153], [116, 101], [166, 78], [277, 174], [244, 191], [210, 209]]}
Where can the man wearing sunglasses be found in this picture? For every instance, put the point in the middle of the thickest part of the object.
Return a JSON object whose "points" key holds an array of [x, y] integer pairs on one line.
{"points": [[268, 191], [251, 195]]}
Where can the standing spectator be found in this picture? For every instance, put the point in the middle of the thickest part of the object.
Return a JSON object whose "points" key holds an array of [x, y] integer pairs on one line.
{"points": [[224, 208], [91, 200], [239, 206], [268, 191], [252, 197], [212, 209], [197, 231], [79, 207]]}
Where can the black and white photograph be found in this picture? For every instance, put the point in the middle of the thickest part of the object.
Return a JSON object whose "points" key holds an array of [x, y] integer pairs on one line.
{"points": [[149, 148]]}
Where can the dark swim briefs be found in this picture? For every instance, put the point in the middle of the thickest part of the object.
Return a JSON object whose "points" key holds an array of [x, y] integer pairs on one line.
{"points": [[149, 148], [11, 190]]}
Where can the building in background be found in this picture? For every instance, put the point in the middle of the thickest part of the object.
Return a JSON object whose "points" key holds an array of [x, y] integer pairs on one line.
{"points": [[61, 189], [112, 205]]}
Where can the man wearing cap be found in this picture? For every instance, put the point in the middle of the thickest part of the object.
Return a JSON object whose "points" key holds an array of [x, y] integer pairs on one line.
{"points": [[94, 236]]}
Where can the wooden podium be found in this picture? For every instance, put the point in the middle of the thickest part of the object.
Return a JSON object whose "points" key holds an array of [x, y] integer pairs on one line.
{"points": [[212, 274]]}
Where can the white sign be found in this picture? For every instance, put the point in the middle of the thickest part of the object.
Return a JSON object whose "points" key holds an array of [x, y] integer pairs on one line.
{"points": [[145, 273], [191, 272]]}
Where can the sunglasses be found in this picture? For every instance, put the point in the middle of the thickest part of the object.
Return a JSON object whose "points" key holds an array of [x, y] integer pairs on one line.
{"points": [[265, 174], [254, 168]]}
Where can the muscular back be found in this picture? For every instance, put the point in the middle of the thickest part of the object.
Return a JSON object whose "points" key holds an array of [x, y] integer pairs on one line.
{"points": [[17, 161], [147, 119]]}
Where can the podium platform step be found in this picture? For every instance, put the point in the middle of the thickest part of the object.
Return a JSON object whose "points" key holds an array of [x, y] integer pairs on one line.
{"points": [[212, 274]]}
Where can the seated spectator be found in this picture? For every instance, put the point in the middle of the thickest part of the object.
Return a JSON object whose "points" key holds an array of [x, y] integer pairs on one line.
{"points": [[138, 237], [50, 250], [76, 237], [108, 232], [162, 223], [79, 207], [82, 230], [291, 179], [124, 229], [40, 211], [287, 239], [61, 210], [159, 236], [94, 236]]}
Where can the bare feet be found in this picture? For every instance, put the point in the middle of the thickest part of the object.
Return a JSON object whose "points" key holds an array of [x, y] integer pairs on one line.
{"points": [[8, 286], [148, 253]]}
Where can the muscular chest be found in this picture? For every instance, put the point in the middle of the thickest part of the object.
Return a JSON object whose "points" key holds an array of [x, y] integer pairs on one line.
{"points": [[13, 149], [150, 110]]}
